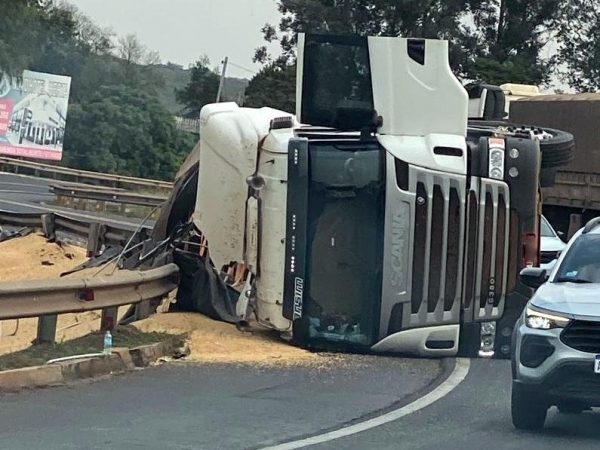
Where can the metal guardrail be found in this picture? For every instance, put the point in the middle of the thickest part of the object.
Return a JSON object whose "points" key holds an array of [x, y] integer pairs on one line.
{"points": [[106, 195], [84, 174], [96, 234], [48, 298], [34, 298]]}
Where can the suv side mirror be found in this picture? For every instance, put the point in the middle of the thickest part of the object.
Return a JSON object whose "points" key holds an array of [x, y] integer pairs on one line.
{"points": [[533, 277]]}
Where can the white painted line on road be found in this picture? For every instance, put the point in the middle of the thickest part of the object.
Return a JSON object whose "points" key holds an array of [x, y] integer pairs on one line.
{"points": [[461, 369]]}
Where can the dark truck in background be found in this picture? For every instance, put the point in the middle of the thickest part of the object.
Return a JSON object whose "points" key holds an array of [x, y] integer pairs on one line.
{"points": [[574, 196]]}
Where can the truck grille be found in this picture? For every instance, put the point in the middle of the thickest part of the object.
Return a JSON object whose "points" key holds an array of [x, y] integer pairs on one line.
{"points": [[437, 249], [486, 263], [583, 336]]}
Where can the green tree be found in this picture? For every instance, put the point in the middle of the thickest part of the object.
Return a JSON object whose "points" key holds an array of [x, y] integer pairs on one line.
{"points": [[579, 51], [201, 89], [274, 86], [507, 39], [125, 131], [32, 35], [407, 18]]}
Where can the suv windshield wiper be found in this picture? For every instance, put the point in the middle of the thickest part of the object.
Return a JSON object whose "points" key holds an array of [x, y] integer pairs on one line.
{"points": [[572, 280]]}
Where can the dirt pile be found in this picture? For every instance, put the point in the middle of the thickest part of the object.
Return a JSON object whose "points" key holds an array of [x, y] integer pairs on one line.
{"points": [[211, 341], [33, 257]]}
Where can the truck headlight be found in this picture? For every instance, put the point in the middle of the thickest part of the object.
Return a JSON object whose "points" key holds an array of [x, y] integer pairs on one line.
{"points": [[543, 321], [496, 164], [488, 339]]}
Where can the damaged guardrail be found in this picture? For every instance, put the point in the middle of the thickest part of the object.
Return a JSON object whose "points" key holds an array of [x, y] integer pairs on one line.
{"points": [[96, 234], [48, 298]]}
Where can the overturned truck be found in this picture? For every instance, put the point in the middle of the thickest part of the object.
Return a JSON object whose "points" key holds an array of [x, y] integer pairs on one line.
{"points": [[375, 219]]}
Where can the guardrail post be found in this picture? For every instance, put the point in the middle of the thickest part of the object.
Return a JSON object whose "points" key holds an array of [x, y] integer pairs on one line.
{"points": [[95, 238], [49, 226], [142, 310], [109, 318], [46, 332]]}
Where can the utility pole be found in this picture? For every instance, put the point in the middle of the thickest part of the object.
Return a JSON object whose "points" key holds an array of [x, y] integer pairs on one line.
{"points": [[222, 81]]}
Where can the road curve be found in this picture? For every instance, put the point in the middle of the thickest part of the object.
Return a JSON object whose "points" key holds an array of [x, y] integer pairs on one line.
{"points": [[190, 406], [476, 415]]}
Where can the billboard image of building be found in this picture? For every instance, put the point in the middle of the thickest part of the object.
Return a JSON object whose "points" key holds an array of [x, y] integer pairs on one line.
{"points": [[33, 115]]}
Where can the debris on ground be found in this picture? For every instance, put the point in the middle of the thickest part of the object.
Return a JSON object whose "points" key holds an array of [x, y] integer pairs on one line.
{"points": [[34, 257], [211, 341]]}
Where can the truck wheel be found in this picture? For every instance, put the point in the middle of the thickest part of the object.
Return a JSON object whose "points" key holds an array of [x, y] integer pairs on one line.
{"points": [[558, 147], [559, 150], [527, 408]]}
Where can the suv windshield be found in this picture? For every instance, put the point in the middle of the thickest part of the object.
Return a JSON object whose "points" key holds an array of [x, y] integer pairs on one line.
{"points": [[546, 229], [582, 261]]}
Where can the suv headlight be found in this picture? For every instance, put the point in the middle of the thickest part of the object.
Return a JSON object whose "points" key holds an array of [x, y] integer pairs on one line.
{"points": [[543, 321]]}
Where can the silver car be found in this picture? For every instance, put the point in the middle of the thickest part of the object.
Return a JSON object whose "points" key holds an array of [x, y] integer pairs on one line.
{"points": [[556, 341]]}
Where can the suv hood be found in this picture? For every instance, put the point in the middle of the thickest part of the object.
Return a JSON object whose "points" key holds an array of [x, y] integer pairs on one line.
{"points": [[570, 299]]}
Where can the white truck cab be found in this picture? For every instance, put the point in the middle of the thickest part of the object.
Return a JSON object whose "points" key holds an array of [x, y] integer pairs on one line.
{"points": [[368, 220]]}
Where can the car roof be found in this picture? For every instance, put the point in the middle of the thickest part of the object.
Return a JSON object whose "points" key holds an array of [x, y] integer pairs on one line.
{"points": [[592, 227]]}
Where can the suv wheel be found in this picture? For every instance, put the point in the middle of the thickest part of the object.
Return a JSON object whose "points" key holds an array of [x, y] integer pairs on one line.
{"points": [[528, 408]]}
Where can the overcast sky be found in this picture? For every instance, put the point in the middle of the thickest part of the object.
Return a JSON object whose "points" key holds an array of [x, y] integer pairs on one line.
{"points": [[183, 30]]}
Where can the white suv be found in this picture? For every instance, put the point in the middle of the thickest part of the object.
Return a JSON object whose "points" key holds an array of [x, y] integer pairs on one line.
{"points": [[556, 341]]}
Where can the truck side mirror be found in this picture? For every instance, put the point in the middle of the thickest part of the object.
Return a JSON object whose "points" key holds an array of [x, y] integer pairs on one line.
{"points": [[533, 277]]}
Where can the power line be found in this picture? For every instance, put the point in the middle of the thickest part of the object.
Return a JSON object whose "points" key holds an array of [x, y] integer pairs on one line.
{"points": [[253, 72]]}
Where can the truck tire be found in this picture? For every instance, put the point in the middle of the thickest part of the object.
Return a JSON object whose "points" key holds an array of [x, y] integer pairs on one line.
{"points": [[528, 410], [557, 150]]}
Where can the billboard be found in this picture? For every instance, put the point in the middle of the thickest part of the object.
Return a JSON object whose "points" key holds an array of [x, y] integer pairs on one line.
{"points": [[33, 115]]}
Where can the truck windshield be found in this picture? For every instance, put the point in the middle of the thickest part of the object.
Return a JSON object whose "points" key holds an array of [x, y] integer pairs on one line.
{"points": [[344, 243], [582, 261]]}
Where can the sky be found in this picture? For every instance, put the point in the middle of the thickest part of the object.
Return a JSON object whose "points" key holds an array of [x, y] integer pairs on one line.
{"points": [[183, 30]]}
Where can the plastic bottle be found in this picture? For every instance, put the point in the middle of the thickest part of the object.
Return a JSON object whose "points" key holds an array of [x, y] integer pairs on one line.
{"points": [[107, 343]]}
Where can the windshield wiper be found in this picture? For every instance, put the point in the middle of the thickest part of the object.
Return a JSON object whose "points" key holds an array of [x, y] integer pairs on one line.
{"points": [[572, 280]]}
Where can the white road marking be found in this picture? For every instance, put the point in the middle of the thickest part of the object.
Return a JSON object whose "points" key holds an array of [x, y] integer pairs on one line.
{"points": [[461, 369]]}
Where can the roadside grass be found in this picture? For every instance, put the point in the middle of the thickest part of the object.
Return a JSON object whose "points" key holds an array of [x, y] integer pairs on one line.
{"points": [[37, 355]]}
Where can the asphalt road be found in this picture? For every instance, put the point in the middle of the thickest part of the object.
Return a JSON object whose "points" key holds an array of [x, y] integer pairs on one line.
{"points": [[476, 415], [189, 406], [24, 194]]}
